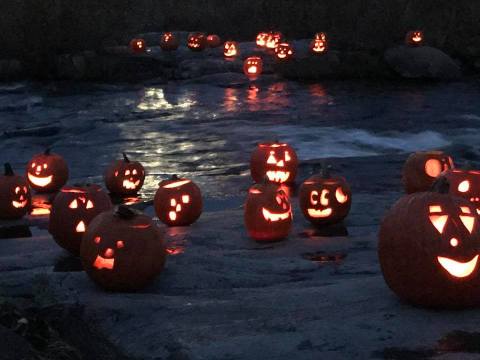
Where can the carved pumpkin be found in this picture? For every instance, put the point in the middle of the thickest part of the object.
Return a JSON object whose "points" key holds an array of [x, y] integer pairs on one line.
{"points": [[465, 184], [169, 42], [275, 161], [325, 199], [73, 209], [213, 41], [230, 49], [421, 169], [125, 177], [268, 212], [414, 38], [261, 39], [197, 41], [15, 198], [178, 202], [123, 250], [273, 39], [318, 45], [253, 67], [47, 172], [429, 244], [138, 46], [284, 51]]}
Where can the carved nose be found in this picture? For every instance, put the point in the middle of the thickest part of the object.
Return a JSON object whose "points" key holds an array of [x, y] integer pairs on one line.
{"points": [[39, 168], [22, 198], [108, 254]]}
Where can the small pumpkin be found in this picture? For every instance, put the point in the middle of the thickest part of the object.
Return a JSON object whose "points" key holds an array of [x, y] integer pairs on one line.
{"points": [[197, 41], [253, 67], [213, 41], [123, 250], [319, 44], [325, 199], [268, 212], [73, 208], [422, 168], [261, 39], [169, 41], [275, 161], [429, 245], [178, 202], [125, 177], [15, 197], [414, 38], [138, 46], [273, 39], [284, 51], [230, 49], [47, 172], [465, 184]]}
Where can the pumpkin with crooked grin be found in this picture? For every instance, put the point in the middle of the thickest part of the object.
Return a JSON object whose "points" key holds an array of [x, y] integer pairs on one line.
{"points": [[276, 161], [284, 51], [15, 198], [47, 172], [123, 250], [125, 177], [230, 49], [429, 244], [73, 208], [268, 212], [414, 38], [197, 41], [318, 45]]}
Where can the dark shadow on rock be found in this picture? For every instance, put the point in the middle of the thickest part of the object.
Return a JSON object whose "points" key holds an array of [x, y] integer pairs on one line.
{"points": [[323, 257], [14, 230], [68, 263], [325, 231]]}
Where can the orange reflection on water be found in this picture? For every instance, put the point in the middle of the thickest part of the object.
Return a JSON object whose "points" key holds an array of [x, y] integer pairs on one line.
{"points": [[230, 99], [252, 98], [41, 205]]}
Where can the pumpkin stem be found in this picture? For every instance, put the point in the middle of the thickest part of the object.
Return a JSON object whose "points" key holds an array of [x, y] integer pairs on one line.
{"points": [[8, 170], [125, 158], [467, 166], [125, 212], [174, 177], [441, 186], [325, 170], [47, 151]]}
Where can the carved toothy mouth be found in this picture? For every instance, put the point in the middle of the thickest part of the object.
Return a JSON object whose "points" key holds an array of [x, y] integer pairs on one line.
{"points": [[252, 70], [417, 39], [40, 181], [278, 176], [320, 213], [281, 55], [457, 268], [275, 216], [102, 263], [19, 204], [130, 185]]}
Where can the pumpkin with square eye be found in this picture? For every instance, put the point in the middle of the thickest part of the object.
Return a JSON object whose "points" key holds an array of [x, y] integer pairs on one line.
{"points": [[169, 41], [465, 184], [261, 39], [273, 39], [197, 41], [178, 202], [213, 41], [429, 245], [253, 67], [325, 199], [125, 177], [275, 161], [422, 168], [230, 49], [267, 212], [284, 51], [47, 172], [73, 208], [138, 45], [414, 38], [318, 45], [15, 197], [123, 250]]}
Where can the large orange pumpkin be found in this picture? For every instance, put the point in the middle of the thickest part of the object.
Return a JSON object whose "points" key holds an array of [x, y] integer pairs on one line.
{"points": [[125, 177], [429, 245], [47, 172], [274, 160], [123, 250], [15, 198]]}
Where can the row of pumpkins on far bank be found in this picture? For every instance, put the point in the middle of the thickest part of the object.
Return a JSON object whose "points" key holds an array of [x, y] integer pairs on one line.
{"points": [[253, 65]]}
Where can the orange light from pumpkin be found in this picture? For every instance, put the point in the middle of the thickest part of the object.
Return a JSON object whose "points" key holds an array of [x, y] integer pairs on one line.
{"points": [[230, 49], [253, 67], [433, 167], [457, 268], [273, 39], [319, 43]]}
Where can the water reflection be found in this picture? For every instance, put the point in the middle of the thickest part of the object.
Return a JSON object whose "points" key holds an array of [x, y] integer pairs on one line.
{"points": [[41, 205], [231, 99], [156, 99]]}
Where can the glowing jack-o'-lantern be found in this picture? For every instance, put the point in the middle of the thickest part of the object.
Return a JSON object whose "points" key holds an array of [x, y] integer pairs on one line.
{"points": [[465, 184], [197, 41], [125, 177], [325, 199], [123, 250], [138, 46], [169, 42], [421, 169], [429, 245], [275, 161], [47, 172], [318, 45], [268, 212], [284, 51], [414, 38], [72, 211], [230, 49], [213, 41], [253, 67], [15, 198], [178, 202], [273, 39], [261, 39]]}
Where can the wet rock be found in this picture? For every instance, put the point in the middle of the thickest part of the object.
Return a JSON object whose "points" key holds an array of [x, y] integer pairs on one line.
{"points": [[311, 67], [422, 62], [194, 68], [13, 346]]}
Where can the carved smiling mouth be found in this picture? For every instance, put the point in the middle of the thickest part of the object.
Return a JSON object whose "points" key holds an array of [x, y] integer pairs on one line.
{"points": [[102, 263], [130, 185], [19, 204], [417, 39], [275, 216], [320, 213], [40, 181], [252, 70], [457, 268], [282, 56], [278, 176]]}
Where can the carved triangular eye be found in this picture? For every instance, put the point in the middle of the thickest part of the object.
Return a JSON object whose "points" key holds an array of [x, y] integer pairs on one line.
{"points": [[439, 221], [271, 158], [89, 204], [73, 204], [468, 221]]}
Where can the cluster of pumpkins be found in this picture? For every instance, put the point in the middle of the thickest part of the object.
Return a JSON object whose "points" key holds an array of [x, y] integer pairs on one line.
{"points": [[252, 65]]}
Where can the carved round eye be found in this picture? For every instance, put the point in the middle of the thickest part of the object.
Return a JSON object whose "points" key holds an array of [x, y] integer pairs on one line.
{"points": [[25, 189], [464, 186], [17, 189], [127, 172], [116, 173], [433, 167], [185, 199], [45, 166], [340, 195], [73, 204], [134, 172], [33, 165], [314, 197], [89, 204], [120, 244], [97, 239], [454, 242]]}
